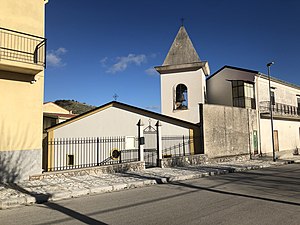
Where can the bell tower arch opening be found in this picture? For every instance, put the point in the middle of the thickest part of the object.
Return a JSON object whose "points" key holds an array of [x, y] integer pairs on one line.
{"points": [[181, 97]]}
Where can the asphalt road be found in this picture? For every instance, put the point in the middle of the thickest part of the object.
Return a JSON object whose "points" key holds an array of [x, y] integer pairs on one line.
{"points": [[268, 196]]}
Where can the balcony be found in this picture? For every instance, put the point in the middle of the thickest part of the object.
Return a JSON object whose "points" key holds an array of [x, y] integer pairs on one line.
{"points": [[279, 109], [21, 52]]}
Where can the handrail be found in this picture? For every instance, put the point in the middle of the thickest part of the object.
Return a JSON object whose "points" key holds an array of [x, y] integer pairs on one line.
{"points": [[19, 32], [279, 108], [22, 47]]}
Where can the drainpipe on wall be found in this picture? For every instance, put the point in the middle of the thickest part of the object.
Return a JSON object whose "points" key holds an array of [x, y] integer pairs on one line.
{"points": [[258, 114], [249, 132]]}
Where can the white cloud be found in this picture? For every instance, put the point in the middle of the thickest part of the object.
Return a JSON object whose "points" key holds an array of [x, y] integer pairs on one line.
{"points": [[103, 61], [151, 71], [123, 62], [54, 57], [60, 51]]}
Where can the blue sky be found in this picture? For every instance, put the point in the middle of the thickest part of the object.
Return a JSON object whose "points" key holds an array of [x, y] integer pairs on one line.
{"points": [[97, 48]]}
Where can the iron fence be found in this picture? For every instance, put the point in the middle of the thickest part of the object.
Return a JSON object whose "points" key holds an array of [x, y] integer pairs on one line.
{"points": [[73, 153], [176, 146], [279, 109], [22, 47]]}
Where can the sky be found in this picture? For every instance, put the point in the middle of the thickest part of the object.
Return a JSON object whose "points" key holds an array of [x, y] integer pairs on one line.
{"points": [[99, 48]]}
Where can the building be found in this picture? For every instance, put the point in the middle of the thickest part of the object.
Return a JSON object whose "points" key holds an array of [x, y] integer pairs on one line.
{"points": [[182, 79], [231, 106], [238, 87], [89, 139], [224, 130], [22, 63], [54, 114], [222, 115]]}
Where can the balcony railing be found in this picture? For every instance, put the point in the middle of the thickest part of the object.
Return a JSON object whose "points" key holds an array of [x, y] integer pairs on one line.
{"points": [[279, 109], [21, 47]]}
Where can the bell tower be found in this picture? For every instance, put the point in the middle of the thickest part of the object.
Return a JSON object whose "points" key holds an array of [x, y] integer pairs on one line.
{"points": [[182, 80]]}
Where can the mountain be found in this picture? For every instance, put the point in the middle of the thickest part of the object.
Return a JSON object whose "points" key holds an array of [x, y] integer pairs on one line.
{"points": [[74, 106]]}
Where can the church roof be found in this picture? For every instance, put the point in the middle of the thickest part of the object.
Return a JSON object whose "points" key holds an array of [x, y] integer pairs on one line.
{"points": [[182, 50], [128, 108]]}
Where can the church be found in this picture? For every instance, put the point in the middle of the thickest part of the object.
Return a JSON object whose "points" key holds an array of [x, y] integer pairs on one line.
{"points": [[186, 86], [224, 114]]}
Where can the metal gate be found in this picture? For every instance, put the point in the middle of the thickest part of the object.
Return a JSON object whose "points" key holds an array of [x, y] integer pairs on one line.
{"points": [[150, 147]]}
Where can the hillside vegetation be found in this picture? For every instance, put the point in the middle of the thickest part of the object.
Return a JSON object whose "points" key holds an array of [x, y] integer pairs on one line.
{"points": [[74, 106]]}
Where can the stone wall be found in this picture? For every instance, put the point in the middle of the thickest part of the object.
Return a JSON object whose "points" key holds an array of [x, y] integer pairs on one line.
{"points": [[199, 159], [228, 131], [185, 160], [116, 168]]}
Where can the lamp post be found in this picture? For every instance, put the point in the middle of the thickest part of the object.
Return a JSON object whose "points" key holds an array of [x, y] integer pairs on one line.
{"points": [[271, 112]]}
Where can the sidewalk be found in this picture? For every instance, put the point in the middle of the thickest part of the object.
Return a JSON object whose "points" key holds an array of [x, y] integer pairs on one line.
{"points": [[39, 191]]}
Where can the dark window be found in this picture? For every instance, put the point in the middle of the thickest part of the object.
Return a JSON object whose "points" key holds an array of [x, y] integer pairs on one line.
{"points": [[243, 94], [70, 160], [273, 97], [298, 106], [181, 98]]}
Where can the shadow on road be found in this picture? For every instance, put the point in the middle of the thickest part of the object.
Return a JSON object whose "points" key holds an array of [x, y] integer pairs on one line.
{"points": [[9, 174], [43, 198], [235, 194]]}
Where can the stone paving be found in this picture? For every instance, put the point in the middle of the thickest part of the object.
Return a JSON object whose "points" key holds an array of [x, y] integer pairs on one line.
{"points": [[39, 191]]}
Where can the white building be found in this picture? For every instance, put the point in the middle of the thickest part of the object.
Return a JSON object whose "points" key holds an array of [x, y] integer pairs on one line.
{"points": [[237, 87]]}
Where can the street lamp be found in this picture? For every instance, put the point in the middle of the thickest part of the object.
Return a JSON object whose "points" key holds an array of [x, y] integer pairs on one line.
{"points": [[271, 112]]}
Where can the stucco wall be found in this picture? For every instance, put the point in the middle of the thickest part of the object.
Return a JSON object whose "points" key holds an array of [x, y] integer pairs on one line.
{"points": [[288, 134], [21, 101], [219, 88], [25, 16], [228, 130], [51, 107], [194, 81], [21, 114], [283, 93], [113, 122]]}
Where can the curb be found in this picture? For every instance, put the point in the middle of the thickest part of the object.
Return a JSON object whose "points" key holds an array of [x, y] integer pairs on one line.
{"points": [[42, 198]]}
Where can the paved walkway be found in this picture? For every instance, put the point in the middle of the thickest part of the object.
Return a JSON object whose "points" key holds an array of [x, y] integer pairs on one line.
{"points": [[39, 191]]}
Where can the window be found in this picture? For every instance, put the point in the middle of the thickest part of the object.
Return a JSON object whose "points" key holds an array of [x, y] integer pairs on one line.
{"points": [[298, 105], [273, 97], [70, 159], [181, 98], [243, 94]]}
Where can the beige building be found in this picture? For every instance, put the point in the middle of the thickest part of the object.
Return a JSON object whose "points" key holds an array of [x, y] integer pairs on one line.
{"points": [[232, 86], [22, 62], [54, 114]]}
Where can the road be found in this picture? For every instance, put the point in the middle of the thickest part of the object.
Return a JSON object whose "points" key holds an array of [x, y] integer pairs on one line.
{"points": [[268, 196]]}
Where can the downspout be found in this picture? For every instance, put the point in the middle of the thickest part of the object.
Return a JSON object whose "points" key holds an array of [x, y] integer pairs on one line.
{"points": [[258, 114], [249, 132]]}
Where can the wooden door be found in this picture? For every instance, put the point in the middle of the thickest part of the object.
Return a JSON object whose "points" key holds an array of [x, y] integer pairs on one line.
{"points": [[276, 142]]}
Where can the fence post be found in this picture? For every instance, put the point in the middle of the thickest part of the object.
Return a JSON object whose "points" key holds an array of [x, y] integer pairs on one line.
{"points": [[183, 145], [159, 144], [141, 140], [97, 151]]}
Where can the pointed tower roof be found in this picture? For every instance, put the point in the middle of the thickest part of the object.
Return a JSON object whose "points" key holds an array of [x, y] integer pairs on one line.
{"points": [[182, 50]]}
